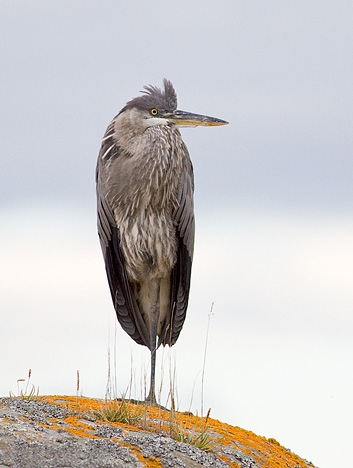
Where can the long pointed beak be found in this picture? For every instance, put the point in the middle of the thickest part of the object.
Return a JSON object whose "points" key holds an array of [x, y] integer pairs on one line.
{"points": [[187, 119]]}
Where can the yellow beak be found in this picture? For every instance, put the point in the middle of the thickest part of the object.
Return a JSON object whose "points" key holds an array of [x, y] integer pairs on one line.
{"points": [[187, 119]]}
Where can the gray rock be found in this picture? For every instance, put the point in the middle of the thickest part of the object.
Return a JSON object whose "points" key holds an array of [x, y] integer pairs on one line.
{"points": [[30, 438]]}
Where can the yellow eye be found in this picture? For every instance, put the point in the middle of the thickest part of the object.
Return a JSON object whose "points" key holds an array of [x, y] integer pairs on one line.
{"points": [[154, 111]]}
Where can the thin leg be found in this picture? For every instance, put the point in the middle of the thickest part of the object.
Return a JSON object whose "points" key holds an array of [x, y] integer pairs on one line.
{"points": [[154, 317], [151, 399]]}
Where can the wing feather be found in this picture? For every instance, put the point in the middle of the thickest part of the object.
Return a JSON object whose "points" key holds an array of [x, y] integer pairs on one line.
{"points": [[181, 273], [122, 291]]}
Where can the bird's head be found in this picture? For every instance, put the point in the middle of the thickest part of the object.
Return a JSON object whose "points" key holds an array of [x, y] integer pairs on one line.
{"points": [[157, 107]]}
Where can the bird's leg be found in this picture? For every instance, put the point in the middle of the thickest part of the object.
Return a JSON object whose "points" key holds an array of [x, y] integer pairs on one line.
{"points": [[154, 317]]}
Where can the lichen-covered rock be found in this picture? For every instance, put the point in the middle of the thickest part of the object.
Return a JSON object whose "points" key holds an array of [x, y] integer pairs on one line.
{"points": [[65, 432]]}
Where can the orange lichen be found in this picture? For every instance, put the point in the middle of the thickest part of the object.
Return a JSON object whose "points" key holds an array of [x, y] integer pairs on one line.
{"points": [[152, 462], [74, 403], [71, 424], [79, 428], [230, 463], [273, 441]]}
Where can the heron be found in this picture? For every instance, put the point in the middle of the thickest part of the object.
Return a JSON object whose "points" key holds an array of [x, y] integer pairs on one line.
{"points": [[145, 185]]}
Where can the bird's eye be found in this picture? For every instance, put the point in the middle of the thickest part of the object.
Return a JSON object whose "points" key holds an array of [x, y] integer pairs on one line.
{"points": [[154, 112]]}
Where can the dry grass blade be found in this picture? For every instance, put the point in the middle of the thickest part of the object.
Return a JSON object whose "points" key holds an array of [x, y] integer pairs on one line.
{"points": [[120, 411], [198, 436], [202, 440], [23, 394]]}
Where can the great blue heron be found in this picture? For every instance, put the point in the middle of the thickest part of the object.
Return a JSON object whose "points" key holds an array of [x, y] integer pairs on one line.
{"points": [[146, 218]]}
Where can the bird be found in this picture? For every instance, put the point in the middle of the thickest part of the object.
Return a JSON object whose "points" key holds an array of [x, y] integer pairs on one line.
{"points": [[145, 217]]}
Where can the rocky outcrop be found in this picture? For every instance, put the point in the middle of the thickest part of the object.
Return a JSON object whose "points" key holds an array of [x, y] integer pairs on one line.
{"points": [[65, 432]]}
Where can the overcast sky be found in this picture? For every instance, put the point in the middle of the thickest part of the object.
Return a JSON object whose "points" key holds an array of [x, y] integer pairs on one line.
{"points": [[274, 211]]}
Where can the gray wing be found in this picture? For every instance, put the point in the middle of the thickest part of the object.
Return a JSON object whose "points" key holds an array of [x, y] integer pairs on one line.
{"points": [[181, 273], [121, 289]]}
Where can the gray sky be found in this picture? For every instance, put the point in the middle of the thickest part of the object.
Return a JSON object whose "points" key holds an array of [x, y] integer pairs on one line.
{"points": [[274, 247]]}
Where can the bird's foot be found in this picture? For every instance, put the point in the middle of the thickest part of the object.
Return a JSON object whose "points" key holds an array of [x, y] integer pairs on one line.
{"points": [[151, 399]]}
